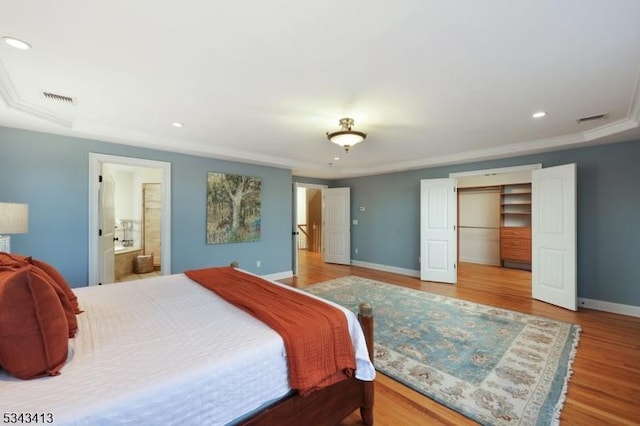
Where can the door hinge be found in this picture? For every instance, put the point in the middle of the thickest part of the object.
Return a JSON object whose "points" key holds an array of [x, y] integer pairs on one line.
{"points": [[455, 189], [455, 266], [454, 227], [99, 232], [99, 178]]}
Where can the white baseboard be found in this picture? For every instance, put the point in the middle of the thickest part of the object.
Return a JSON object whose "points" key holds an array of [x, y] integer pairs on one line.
{"points": [[599, 305], [376, 266], [480, 260], [615, 308], [278, 276]]}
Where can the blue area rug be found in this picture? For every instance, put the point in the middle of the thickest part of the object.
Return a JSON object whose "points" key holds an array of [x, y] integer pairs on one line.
{"points": [[495, 366]]}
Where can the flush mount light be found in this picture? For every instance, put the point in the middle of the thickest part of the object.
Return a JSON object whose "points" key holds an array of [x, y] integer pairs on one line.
{"points": [[346, 137], [18, 44], [539, 114], [176, 124]]}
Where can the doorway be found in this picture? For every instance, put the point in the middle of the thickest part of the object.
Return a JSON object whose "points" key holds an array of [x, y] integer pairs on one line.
{"points": [[479, 213], [138, 221], [307, 214], [552, 231]]}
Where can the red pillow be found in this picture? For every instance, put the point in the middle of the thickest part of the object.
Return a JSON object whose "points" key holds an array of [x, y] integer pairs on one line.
{"points": [[51, 275], [33, 325], [69, 310], [59, 279], [13, 260]]}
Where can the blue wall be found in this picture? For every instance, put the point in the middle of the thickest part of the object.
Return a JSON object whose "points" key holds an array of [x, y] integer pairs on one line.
{"points": [[51, 174], [388, 231]]}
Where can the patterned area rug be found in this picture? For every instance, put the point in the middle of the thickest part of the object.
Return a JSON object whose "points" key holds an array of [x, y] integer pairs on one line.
{"points": [[495, 366]]}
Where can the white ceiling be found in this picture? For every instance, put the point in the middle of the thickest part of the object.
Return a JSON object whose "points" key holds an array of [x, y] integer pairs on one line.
{"points": [[431, 82]]}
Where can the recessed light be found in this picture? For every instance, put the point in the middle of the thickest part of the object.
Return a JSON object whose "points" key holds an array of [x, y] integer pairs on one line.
{"points": [[336, 158], [539, 114], [176, 124], [18, 44]]}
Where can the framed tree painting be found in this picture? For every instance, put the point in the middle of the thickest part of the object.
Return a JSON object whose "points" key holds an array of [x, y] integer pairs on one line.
{"points": [[233, 208]]}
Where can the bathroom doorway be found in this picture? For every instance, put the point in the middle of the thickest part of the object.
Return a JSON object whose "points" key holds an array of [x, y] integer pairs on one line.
{"points": [[135, 241]]}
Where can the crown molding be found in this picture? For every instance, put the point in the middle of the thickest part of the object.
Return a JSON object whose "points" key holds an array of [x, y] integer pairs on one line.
{"points": [[13, 100], [634, 108]]}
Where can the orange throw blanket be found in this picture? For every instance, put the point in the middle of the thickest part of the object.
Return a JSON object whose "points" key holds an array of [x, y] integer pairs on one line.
{"points": [[316, 335]]}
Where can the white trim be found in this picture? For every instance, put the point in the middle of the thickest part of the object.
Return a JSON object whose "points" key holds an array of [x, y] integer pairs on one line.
{"points": [[310, 185], [95, 161], [598, 305], [616, 308], [610, 129], [634, 107], [278, 276], [501, 170], [10, 95], [480, 261], [386, 268]]}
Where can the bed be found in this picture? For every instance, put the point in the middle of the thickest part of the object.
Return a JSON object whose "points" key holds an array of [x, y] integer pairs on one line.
{"points": [[166, 350]]}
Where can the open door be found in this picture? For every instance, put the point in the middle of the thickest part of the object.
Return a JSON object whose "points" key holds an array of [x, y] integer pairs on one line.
{"points": [[438, 238], [106, 234], [337, 225], [294, 232], [553, 236]]}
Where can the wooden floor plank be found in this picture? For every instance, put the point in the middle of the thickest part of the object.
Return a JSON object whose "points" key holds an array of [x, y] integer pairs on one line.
{"points": [[604, 387]]}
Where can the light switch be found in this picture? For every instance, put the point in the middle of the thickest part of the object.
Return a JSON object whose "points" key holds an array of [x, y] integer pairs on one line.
{"points": [[355, 221], [361, 208]]}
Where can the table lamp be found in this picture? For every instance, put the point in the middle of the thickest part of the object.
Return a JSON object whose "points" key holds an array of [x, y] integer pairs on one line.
{"points": [[14, 219]]}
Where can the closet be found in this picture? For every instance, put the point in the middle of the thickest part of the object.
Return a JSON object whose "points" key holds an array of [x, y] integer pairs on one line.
{"points": [[515, 225], [494, 220], [479, 225]]}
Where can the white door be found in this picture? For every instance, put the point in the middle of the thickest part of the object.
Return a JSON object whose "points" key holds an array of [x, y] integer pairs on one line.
{"points": [[438, 239], [106, 233], [337, 229], [294, 232], [553, 236]]}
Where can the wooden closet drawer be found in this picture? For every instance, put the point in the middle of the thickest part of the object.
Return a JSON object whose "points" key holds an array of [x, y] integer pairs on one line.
{"points": [[514, 253], [515, 232], [516, 242]]}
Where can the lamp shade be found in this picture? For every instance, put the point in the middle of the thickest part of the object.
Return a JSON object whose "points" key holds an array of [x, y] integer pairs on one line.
{"points": [[347, 137], [14, 218]]}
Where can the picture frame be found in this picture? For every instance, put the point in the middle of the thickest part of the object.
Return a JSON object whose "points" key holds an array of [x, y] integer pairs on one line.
{"points": [[233, 208]]}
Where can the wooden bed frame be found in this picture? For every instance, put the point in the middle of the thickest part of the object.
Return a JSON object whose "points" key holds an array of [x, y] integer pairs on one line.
{"points": [[329, 405]]}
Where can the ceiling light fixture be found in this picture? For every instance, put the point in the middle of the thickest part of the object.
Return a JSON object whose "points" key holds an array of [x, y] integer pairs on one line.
{"points": [[539, 114], [346, 137], [176, 124], [18, 44]]}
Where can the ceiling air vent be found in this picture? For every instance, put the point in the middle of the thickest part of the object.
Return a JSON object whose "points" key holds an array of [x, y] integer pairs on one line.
{"points": [[59, 98], [592, 118]]}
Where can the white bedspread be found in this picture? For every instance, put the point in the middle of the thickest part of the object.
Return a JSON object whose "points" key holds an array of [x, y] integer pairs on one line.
{"points": [[162, 351]]}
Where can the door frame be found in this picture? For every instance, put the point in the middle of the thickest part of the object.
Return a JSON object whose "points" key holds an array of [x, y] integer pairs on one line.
{"points": [[497, 171], [294, 217], [95, 165], [521, 168]]}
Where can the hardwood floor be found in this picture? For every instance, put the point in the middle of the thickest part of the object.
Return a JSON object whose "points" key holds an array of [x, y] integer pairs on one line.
{"points": [[604, 388]]}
